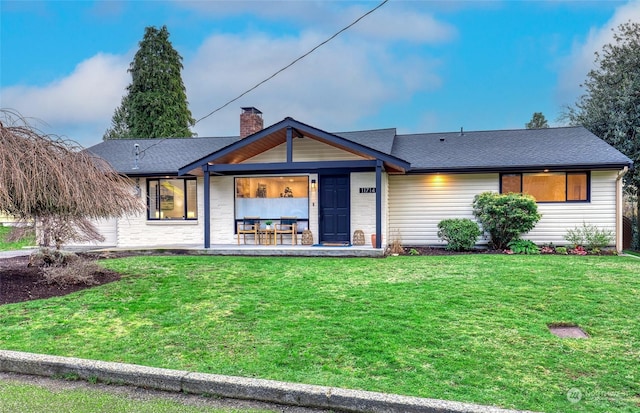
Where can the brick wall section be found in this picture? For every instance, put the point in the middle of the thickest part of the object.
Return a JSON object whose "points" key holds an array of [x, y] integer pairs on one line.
{"points": [[250, 122], [363, 206]]}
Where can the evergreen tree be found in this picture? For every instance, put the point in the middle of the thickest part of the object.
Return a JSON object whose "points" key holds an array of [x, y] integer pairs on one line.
{"points": [[119, 128], [610, 108], [538, 121], [156, 103]]}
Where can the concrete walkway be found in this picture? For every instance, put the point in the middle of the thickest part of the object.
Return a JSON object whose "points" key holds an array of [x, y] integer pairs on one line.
{"points": [[15, 253], [293, 394]]}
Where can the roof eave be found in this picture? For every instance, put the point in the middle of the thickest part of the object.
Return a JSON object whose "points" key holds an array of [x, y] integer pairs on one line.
{"points": [[520, 168]]}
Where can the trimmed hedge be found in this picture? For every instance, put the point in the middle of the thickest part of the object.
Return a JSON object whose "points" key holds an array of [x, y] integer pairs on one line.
{"points": [[460, 233]]}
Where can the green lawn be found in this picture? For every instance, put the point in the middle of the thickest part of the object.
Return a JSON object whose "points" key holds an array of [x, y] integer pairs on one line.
{"points": [[469, 328], [7, 246], [27, 398]]}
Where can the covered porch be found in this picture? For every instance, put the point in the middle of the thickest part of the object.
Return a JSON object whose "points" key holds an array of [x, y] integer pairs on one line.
{"points": [[326, 207]]}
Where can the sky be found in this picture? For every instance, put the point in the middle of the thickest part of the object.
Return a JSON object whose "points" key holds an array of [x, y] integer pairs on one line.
{"points": [[418, 66]]}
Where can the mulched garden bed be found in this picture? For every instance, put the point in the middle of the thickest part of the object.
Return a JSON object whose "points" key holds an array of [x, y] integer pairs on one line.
{"points": [[19, 282]]}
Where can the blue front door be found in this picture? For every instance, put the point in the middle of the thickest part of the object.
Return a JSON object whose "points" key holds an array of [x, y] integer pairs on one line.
{"points": [[334, 208]]}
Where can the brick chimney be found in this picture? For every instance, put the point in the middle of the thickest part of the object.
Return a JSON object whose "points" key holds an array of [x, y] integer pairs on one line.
{"points": [[250, 122]]}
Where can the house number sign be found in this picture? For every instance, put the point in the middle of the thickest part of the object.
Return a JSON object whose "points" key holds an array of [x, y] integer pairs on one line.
{"points": [[371, 190]]}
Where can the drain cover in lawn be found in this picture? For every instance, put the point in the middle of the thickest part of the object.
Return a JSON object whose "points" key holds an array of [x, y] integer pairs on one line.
{"points": [[567, 331]]}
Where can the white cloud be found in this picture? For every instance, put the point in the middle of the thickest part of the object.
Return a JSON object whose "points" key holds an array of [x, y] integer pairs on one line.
{"points": [[348, 79], [341, 82], [87, 96], [412, 21], [406, 24], [581, 60]]}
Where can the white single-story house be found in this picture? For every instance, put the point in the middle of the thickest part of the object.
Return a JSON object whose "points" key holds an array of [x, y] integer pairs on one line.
{"points": [[380, 182]]}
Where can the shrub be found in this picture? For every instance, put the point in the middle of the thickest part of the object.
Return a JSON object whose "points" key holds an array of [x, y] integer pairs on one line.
{"points": [[80, 271], [460, 233], [414, 251], [64, 268], [523, 246], [561, 250], [505, 216], [589, 236], [46, 257]]}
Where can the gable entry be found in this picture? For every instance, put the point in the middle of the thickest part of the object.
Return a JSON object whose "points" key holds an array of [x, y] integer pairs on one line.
{"points": [[334, 175]]}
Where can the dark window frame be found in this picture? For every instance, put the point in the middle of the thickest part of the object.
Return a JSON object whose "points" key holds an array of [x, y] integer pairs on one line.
{"points": [[185, 203], [566, 182]]}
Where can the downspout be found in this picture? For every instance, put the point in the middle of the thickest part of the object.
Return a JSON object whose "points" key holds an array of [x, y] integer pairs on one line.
{"points": [[619, 209]]}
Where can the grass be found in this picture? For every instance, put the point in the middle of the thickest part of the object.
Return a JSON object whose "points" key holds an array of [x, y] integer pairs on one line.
{"points": [[468, 328], [27, 398], [7, 246]]}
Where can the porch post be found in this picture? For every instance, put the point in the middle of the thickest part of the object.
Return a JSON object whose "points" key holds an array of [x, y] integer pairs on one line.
{"points": [[289, 145], [378, 204], [207, 207]]}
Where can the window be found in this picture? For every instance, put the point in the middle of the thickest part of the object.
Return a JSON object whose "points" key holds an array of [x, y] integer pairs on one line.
{"points": [[272, 197], [173, 199], [548, 186]]}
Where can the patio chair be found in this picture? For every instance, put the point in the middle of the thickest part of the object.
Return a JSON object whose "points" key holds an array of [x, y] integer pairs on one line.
{"points": [[288, 225], [249, 225]]}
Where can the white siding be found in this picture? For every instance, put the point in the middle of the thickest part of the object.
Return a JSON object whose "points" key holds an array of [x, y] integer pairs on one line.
{"points": [[418, 202], [304, 150], [109, 230], [557, 218], [308, 150]]}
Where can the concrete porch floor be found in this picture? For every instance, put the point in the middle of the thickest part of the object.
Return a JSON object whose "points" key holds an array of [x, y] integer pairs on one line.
{"points": [[255, 250]]}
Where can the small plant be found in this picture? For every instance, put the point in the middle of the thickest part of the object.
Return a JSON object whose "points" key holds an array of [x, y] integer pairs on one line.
{"points": [[414, 251], [395, 247], [460, 233], [548, 249], [561, 250], [505, 216], [578, 250], [589, 236], [522, 246]]}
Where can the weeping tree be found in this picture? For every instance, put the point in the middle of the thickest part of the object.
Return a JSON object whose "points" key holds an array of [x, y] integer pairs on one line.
{"points": [[56, 184]]}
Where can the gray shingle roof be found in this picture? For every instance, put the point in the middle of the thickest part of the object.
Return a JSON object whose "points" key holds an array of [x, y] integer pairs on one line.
{"points": [[157, 156], [570, 147], [380, 139]]}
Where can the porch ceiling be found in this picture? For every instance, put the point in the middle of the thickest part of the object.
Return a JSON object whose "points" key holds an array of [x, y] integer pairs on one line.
{"points": [[257, 147], [241, 151], [272, 140]]}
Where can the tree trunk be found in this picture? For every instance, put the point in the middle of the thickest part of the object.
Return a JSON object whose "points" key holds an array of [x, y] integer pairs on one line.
{"points": [[635, 243]]}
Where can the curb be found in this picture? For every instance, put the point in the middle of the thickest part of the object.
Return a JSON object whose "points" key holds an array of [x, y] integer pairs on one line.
{"points": [[294, 394]]}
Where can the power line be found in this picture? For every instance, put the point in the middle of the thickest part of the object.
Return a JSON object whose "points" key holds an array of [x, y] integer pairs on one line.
{"points": [[294, 62], [142, 152]]}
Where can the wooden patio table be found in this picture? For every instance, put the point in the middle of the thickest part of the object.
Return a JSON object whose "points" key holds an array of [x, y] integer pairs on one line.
{"points": [[265, 235]]}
